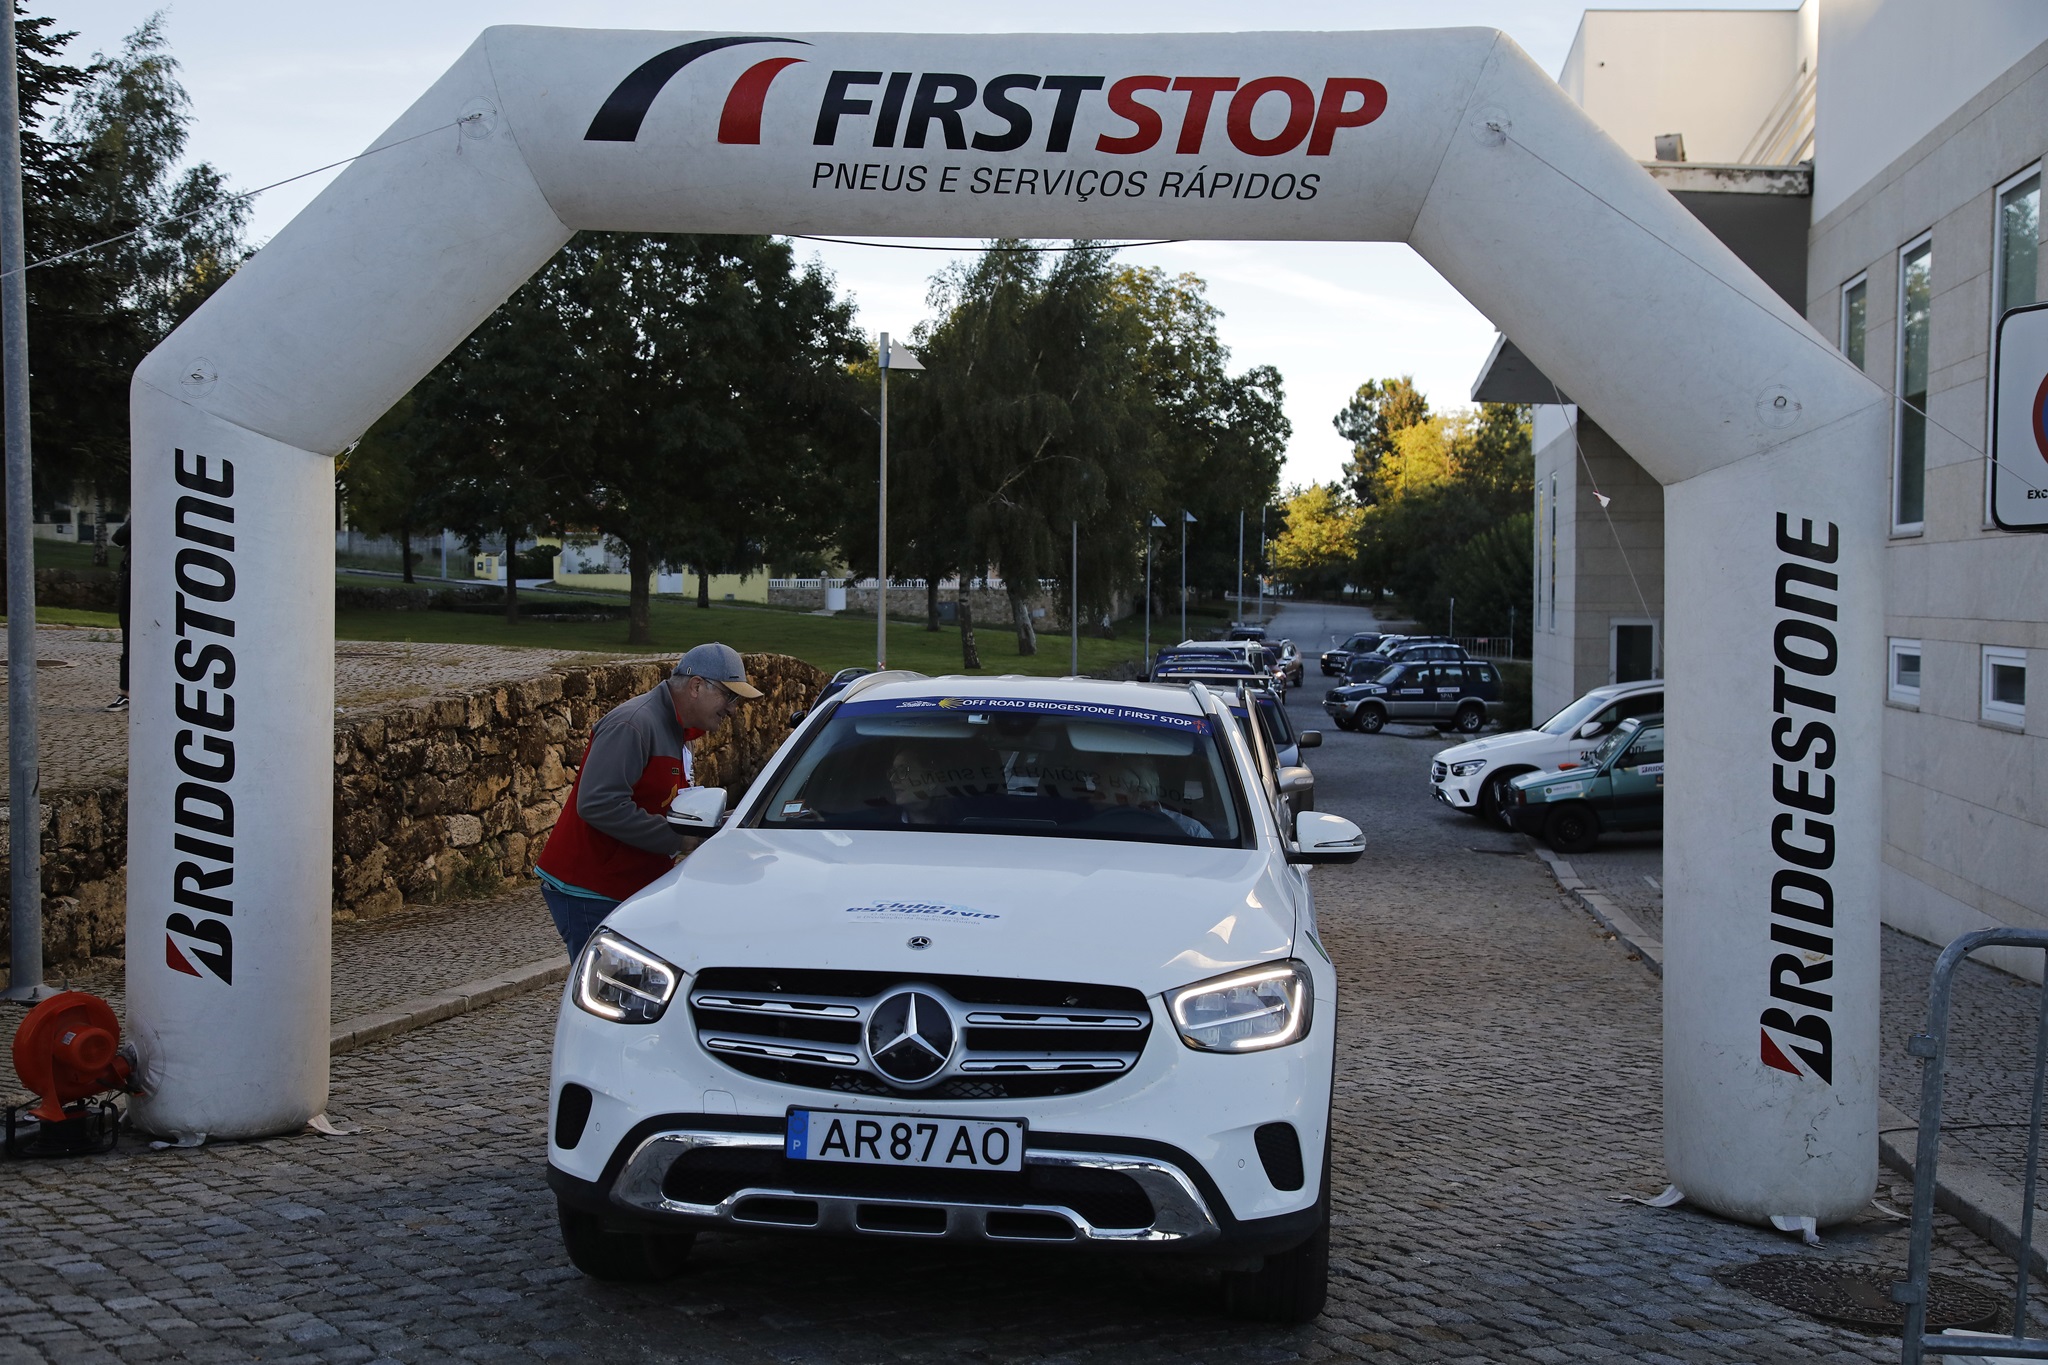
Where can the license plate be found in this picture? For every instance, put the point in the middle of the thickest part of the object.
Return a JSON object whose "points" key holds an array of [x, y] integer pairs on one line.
{"points": [[905, 1140]]}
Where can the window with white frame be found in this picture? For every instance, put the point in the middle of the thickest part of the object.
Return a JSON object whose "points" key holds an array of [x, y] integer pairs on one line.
{"points": [[1909, 457], [1855, 308], [1902, 672], [2015, 269], [2005, 685]]}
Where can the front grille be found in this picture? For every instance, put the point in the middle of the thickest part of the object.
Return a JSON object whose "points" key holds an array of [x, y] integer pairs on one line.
{"points": [[1439, 771], [1107, 1199], [1018, 1039]]}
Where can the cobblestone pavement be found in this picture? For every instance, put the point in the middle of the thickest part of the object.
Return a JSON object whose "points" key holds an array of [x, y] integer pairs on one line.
{"points": [[80, 742], [1498, 1090], [1992, 1018]]}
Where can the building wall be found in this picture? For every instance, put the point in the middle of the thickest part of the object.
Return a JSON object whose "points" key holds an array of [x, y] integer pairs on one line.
{"points": [[1610, 559], [1965, 800], [1715, 76], [1892, 70]]}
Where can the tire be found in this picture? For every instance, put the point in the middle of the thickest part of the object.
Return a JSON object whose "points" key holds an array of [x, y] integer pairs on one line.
{"points": [[1493, 794], [1344, 722], [1572, 828], [1370, 718], [1471, 718], [624, 1257], [1291, 1287]]}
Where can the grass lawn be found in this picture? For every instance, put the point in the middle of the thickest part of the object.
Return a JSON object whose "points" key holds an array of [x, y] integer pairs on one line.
{"points": [[831, 643], [63, 554], [65, 616]]}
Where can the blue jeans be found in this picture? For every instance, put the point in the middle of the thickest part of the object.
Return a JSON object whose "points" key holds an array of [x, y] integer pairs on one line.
{"points": [[576, 917]]}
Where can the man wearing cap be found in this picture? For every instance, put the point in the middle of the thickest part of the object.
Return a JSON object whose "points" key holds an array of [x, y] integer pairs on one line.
{"points": [[613, 836]]}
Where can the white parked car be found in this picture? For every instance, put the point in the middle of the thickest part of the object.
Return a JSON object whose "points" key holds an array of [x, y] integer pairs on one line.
{"points": [[1474, 777], [990, 960]]}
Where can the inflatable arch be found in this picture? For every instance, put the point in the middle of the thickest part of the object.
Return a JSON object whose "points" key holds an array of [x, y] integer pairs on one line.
{"points": [[1768, 445]]}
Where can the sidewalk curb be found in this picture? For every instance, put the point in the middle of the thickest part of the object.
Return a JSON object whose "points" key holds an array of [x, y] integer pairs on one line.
{"points": [[1638, 939], [364, 1029], [1964, 1190]]}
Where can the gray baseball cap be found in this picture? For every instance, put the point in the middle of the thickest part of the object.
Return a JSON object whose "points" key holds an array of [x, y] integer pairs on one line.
{"points": [[720, 664]]}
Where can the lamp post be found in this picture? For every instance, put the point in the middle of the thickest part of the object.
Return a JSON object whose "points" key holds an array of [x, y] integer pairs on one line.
{"points": [[1262, 566], [1152, 523], [1074, 604], [900, 358], [1240, 564], [1185, 517]]}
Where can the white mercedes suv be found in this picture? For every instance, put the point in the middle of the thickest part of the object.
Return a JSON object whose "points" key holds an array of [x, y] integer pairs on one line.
{"points": [[1005, 960]]}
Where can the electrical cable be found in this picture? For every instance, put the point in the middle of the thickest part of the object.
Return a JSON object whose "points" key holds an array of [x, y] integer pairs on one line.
{"points": [[243, 195]]}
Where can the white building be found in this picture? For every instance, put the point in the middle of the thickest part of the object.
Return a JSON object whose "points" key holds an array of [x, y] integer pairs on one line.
{"points": [[1919, 225]]}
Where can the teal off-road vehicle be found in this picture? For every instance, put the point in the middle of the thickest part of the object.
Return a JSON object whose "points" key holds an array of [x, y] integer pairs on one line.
{"points": [[1619, 790]]}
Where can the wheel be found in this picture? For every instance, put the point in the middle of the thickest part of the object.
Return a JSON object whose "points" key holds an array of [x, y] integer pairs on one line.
{"points": [[1572, 828], [603, 1254], [1344, 722], [1493, 794], [1471, 718], [1290, 1287], [1370, 718]]}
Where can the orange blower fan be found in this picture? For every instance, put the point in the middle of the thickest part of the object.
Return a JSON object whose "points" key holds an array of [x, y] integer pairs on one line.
{"points": [[67, 1052]]}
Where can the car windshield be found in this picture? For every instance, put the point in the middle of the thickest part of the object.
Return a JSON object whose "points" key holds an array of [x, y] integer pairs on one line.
{"points": [[1617, 737], [1575, 715], [1012, 765]]}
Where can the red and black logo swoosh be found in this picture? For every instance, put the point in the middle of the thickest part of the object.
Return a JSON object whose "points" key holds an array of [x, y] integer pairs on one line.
{"points": [[620, 118]]}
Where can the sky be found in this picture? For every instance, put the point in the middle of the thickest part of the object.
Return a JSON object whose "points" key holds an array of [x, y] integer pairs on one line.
{"points": [[278, 89]]}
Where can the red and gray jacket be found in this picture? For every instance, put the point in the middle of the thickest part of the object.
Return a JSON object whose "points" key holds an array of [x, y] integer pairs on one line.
{"points": [[612, 837]]}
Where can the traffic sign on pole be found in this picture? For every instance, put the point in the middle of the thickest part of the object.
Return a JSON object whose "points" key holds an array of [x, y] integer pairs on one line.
{"points": [[2019, 429]]}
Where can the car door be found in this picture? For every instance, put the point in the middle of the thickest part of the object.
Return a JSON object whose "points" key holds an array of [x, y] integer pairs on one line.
{"points": [[1637, 783], [1408, 695], [1446, 686]]}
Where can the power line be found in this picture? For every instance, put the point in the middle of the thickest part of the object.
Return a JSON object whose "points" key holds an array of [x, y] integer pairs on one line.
{"points": [[244, 195]]}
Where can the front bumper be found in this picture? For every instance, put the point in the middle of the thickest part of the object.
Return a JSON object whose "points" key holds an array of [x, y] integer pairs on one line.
{"points": [[1175, 1139], [771, 1194]]}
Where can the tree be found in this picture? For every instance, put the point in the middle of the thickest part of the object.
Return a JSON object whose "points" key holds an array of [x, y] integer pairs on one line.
{"points": [[721, 422], [1318, 546], [393, 481], [1380, 409], [1218, 439], [1028, 420]]}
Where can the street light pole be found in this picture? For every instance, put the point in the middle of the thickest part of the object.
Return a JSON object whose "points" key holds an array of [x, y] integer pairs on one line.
{"points": [[1074, 605], [1151, 522], [1262, 566], [1240, 563], [901, 359], [1185, 517], [24, 780]]}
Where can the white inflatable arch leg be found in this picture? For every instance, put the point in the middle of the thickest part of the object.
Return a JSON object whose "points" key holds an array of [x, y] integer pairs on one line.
{"points": [[1771, 448]]}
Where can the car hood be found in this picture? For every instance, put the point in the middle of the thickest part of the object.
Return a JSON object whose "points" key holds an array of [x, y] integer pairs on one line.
{"points": [[1579, 779], [1151, 916], [1458, 753]]}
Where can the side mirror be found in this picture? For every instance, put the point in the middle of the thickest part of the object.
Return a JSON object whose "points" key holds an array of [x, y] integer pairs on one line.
{"points": [[796, 717], [1296, 779], [1592, 729], [1320, 837], [1309, 739], [697, 810]]}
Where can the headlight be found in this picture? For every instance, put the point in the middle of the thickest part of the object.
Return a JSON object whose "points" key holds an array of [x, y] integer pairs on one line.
{"points": [[1467, 768], [1245, 1011], [623, 982]]}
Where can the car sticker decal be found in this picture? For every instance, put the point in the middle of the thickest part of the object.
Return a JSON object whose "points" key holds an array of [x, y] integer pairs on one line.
{"points": [[1044, 706], [1651, 770], [1564, 789], [886, 911]]}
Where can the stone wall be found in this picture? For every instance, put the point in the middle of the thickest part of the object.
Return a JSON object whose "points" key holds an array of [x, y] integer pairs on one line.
{"points": [[435, 798]]}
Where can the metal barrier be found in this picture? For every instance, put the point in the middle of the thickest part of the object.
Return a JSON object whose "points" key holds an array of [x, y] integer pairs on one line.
{"points": [[1931, 1047]]}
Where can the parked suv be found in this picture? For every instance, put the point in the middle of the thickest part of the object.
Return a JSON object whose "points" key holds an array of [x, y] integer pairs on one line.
{"points": [[1336, 657], [1474, 777], [986, 960], [1448, 693]]}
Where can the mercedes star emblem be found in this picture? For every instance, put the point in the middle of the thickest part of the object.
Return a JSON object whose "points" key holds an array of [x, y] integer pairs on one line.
{"points": [[920, 941], [910, 1038]]}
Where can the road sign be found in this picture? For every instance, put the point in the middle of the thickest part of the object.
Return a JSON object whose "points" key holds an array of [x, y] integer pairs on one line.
{"points": [[2019, 426]]}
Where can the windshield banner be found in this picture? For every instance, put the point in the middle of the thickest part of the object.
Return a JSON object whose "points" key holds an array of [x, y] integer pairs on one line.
{"points": [[1031, 706]]}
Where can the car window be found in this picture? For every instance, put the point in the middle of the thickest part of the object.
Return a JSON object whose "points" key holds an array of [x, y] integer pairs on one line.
{"points": [[1647, 748], [1388, 674], [1605, 749], [1450, 675], [1568, 721], [1012, 765], [1642, 704]]}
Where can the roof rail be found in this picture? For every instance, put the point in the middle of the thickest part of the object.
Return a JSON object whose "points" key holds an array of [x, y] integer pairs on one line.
{"points": [[863, 683]]}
